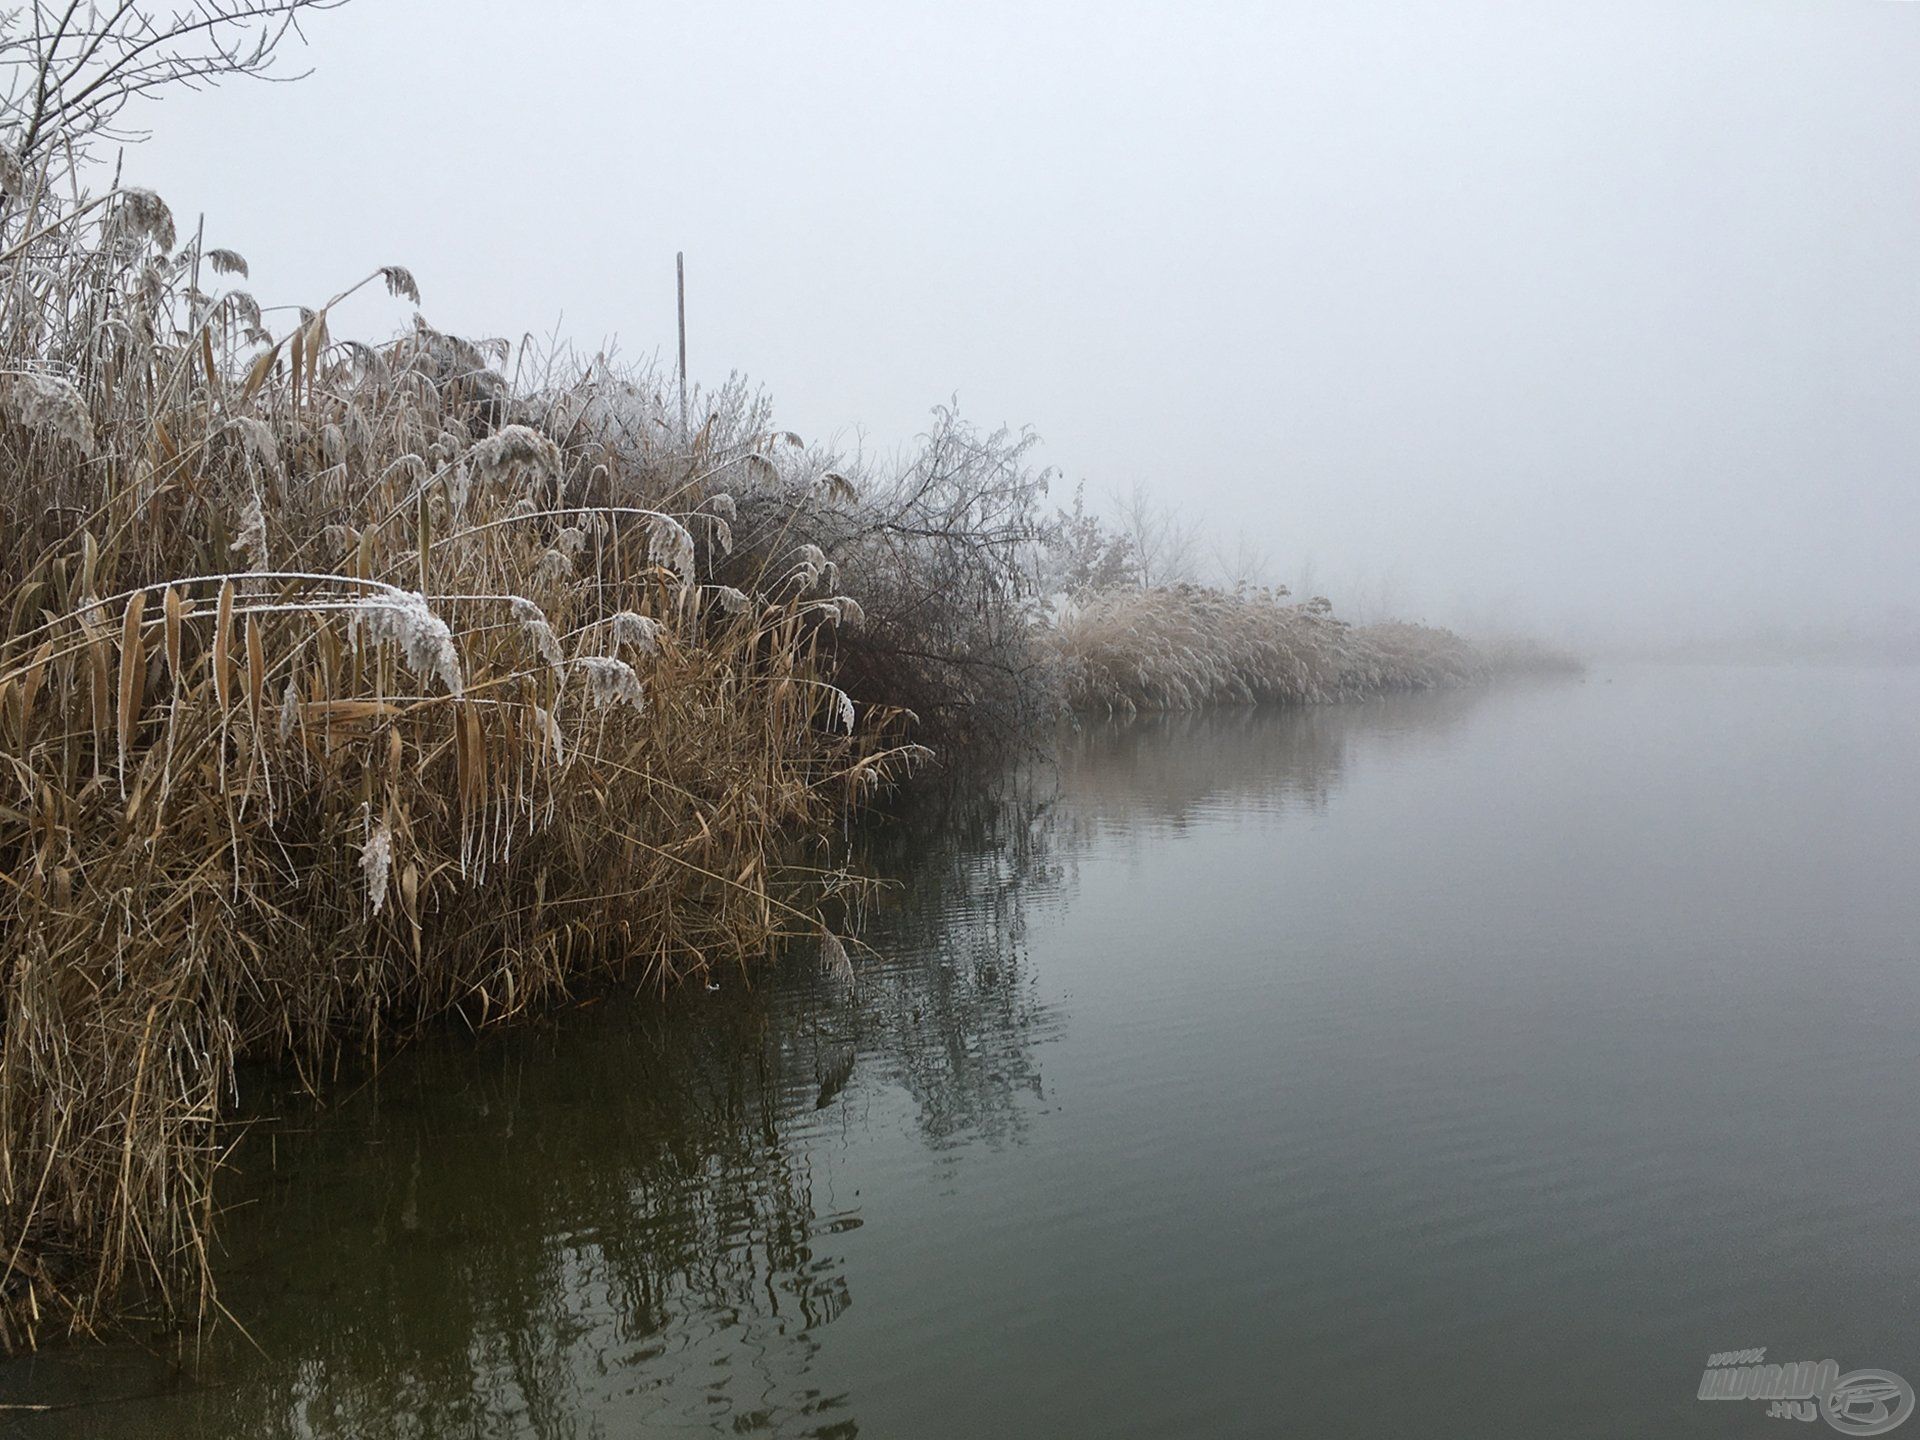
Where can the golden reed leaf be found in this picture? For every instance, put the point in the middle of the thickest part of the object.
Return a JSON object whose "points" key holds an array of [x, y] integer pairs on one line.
{"points": [[223, 648], [174, 617], [133, 672], [256, 668], [30, 684], [258, 373], [102, 686]]}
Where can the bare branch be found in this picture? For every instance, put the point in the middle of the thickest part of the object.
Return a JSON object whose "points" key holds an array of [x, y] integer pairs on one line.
{"points": [[87, 62]]}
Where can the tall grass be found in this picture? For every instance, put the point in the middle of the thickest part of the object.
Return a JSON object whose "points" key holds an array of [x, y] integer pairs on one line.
{"points": [[343, 688]]}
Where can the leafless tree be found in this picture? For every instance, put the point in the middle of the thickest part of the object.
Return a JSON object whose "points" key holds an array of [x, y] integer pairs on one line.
{"points": [[1085, 555], [1246, 565], [1163, 546], [940, 547], [69, 69]]}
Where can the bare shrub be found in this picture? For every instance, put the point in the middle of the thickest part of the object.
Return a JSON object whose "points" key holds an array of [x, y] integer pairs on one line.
{"points": [[917, 572], [939, 548]]}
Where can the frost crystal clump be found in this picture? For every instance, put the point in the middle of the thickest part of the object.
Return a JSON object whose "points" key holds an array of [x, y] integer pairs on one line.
{"points": [[46, 402], [670, 546], [553, 567], [359, 432], [610, 682], [731, 600], [143, 213], [245, 309], [533, 622], [458, 484], [258, 438], [842, 707], [815, 570], [813, 565], [514, 447], [252, 538], [376, 863], [549, 727], [425, 642], [641, 632]]}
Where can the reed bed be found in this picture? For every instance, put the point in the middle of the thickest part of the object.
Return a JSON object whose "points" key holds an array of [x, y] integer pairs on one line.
{"points": [[1186, 647], [342, 689], [350, 688]]}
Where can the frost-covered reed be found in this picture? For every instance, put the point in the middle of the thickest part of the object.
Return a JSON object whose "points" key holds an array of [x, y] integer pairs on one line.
{"points": [[1186, 647], [345, 687]]}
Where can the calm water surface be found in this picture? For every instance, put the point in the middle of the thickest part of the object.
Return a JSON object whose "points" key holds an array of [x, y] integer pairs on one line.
{"points": [[1470, 1064]]}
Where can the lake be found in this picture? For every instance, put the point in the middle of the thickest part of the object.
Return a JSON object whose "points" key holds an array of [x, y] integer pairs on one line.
{"points": [[1473, 1063]]}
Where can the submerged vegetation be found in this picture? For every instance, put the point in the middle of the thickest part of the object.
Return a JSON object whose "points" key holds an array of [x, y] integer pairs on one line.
{"points": [[349, 687]]}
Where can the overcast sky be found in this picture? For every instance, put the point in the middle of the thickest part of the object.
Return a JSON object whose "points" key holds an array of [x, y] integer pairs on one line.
{"points": [[1602, 314]]}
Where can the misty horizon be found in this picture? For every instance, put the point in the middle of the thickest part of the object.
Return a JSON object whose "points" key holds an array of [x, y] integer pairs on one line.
{"points": [[1597, 324]]}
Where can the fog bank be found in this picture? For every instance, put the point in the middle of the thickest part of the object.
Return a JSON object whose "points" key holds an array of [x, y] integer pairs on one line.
{"points": [[1598, 320]]}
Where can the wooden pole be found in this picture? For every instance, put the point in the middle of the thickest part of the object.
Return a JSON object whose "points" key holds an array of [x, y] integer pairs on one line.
{"points": [[680, 285]]}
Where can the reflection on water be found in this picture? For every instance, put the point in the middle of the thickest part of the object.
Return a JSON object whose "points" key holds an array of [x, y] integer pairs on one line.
{"points": [[1363, 1070], [1160, 775], [628, 1211]]}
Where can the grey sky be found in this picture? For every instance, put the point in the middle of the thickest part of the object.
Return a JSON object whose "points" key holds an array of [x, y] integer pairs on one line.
{"points": [[1605, 312]]}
